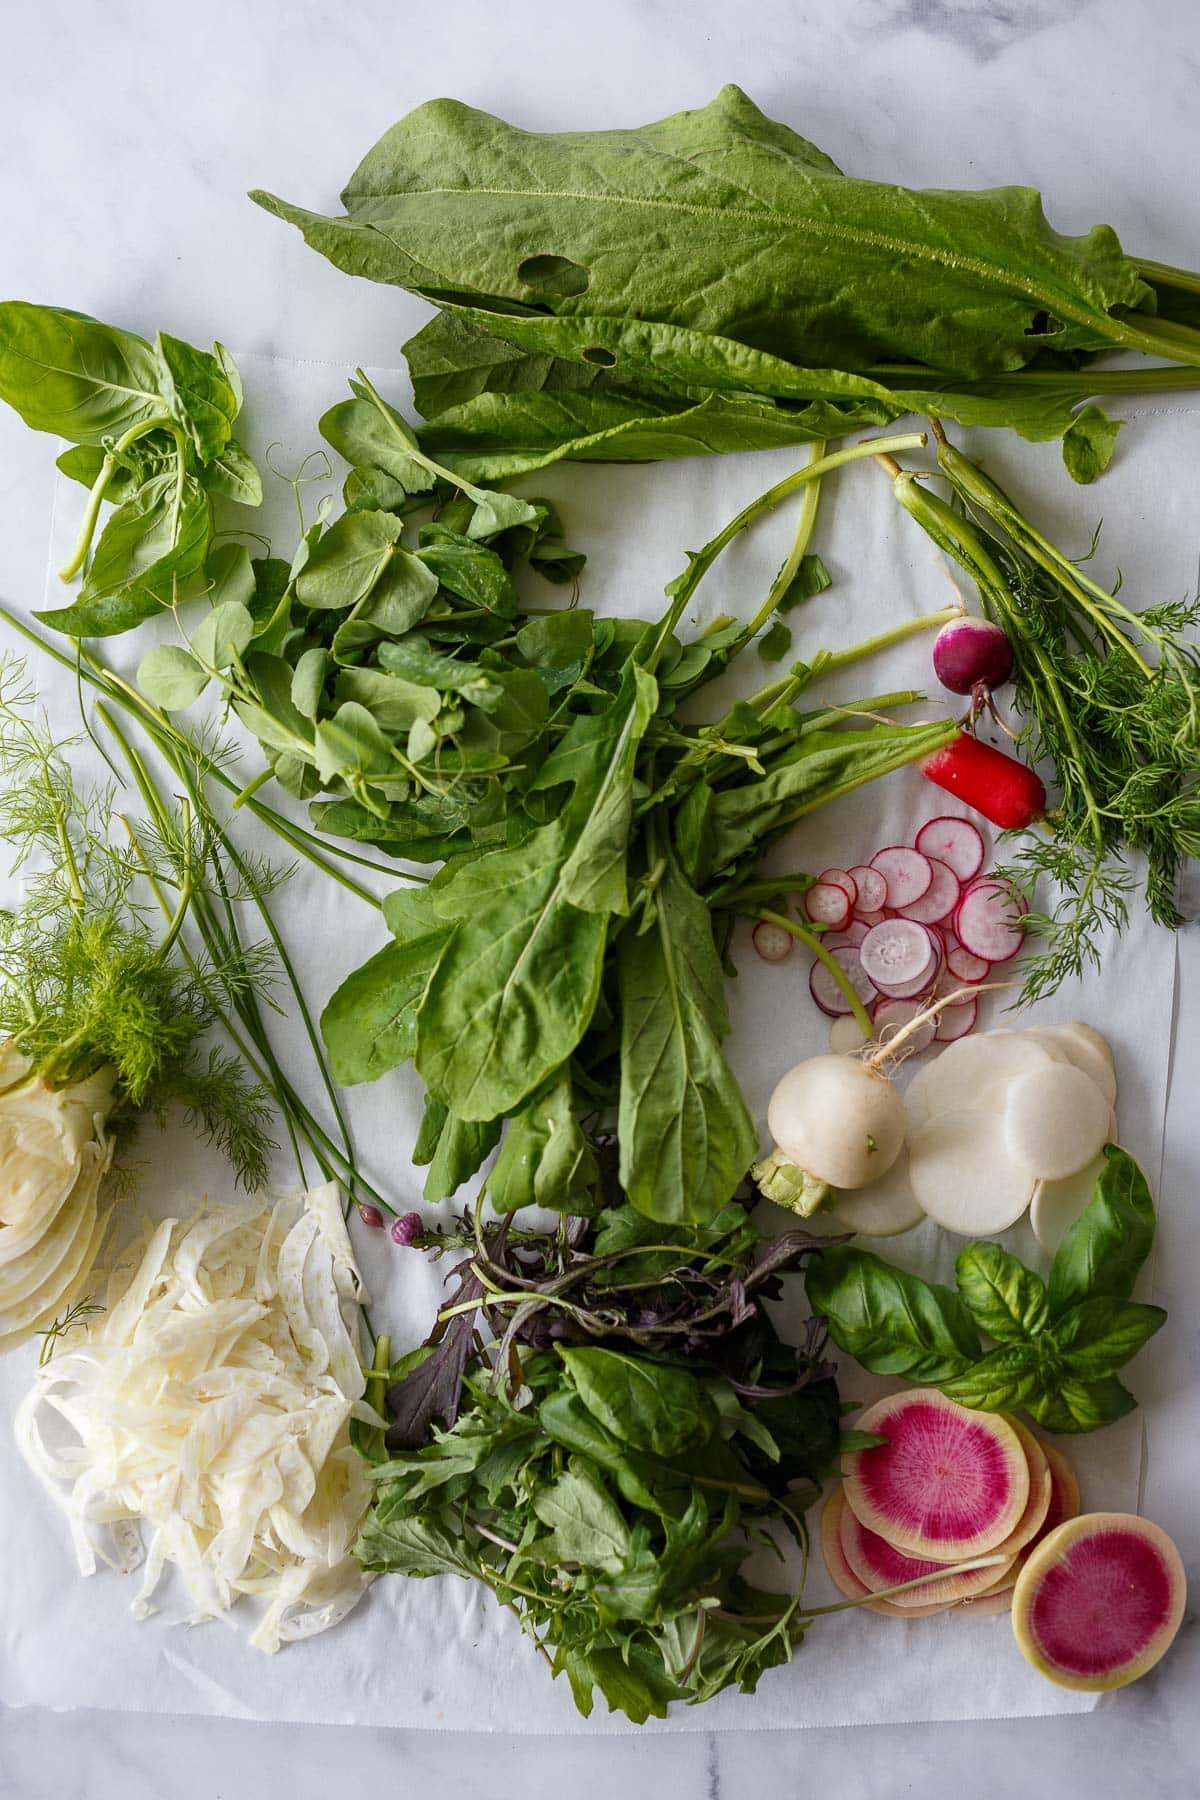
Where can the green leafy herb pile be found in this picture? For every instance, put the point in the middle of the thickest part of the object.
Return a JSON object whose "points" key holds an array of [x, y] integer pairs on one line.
{"points": [[1056, 1344], [714, 282], [601, 1486]]}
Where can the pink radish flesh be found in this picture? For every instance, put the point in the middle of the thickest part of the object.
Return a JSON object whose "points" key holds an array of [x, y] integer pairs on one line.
{"points": [[890, 1015], [843, 879], [897, 954], [843, 1576], [955, 842], [879, 1565], [825, 990], [772, 942], [871, 918], [956, 1022], [948, 1483], [988, 922], [828, 905], [941, 899], [965, 966], [853, 935], [970, 652], [907, 873], [871, 886]]}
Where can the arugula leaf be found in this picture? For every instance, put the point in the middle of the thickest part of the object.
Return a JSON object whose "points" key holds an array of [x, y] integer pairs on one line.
{"points": [[1007, 1300], [412, 1546], [892, 1322], [586, 1527], [1106, 1247]]}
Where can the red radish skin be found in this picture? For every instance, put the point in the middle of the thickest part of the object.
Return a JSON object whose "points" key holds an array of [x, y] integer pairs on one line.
{"points": [[890, 1016], [879, 1564], [842, 1575], [853, 935], [843, 879], [825, 990], [943, 896], [1099, 1601], [956, 1022], [956, 842], [828, 905], [971, 656], [907, 873], [998, 786], [772, 942], [871, 918], [949, 1483], [871, 886]]}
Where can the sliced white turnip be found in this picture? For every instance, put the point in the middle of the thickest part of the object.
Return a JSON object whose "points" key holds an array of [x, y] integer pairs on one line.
{"points": [[957, 1021], [1055, 1122], [837, 1120], [771, 941], [853, 934], [841, 878], [961, 1171], [987, 921], [1056, 1205], [1079, 1044], [954, 842], [940, 900], [890, 1016], [871, 886], [975, 1072], [879, 1565], [1099, 1601], [845, 1035], [964, 965], [948, 1484], [826, 904], [907, 873], [824, 988], [842, 1575], [898, 957], [884, 1209]]}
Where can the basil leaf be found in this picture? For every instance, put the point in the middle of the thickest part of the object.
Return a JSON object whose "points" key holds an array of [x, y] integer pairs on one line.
{"points": [[1096, 1337], [892, 1322], [154, 540], [1000, 1381], [1007, 1300], [199, 395], [71, 375], [1106, 1247], [650, 1406], [231, 475], [1082, 1405]]}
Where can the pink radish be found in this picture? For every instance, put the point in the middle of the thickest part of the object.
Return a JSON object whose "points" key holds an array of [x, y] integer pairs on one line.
{"points": [[972, 656], [871, 918], [890, 1015], [828, 905], [949, 1483], [940, 900], [965, 966], [956, 1022], [772, 942], [842, 1575], [988, 921], [949, 987], [1099, 1601], [843, 879], [853, 935], [898, 957], [955, 842], [825, 990], [907, 873], [871, 886], [879, 1564]]}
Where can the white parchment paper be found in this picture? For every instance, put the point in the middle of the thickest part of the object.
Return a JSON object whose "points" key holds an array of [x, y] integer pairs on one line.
{"points": [[438, 1654]]}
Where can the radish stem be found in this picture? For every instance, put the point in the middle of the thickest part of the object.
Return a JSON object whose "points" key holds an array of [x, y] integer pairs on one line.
{"points": [[841, 659], [902, 1587], [933, 1011], [813, 943]]}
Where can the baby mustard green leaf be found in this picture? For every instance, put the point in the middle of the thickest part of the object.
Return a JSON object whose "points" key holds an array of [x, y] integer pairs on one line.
{"points": [[544, 1159], [370, 1022], [1088, 443], [171, 678]]}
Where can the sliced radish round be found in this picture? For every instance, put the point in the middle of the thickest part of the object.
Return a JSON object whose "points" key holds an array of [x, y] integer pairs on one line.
{"points": [[1041, 1491], [948, 1484], [948, 987], [854, 934], [771, 941], [994, 1600], [937, 944], [941, 899], [825, 990], [871, 886], [898, 957], [1056, 1121], [962, 1174], [884, 1209], [871, 918], [843, 879], [1064, 1494], [1099, 1601], [954, 842], [957, 1021], [889, 1016], [880, 1565], [964, 965], [845, 1035], [907, 873], [975, 1073], [987, 921], [1057, 1204], [828, 905], [842, 1575]]}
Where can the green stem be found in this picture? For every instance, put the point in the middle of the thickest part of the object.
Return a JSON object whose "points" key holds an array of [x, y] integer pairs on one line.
{"points": [[1083, 382], [1186, 281], [251, 788], [99, 488], [795, 556], [903, 1587], [813, 943], [842, 659]]}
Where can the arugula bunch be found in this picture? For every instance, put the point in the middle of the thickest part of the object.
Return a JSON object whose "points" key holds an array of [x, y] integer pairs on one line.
{"points": [[151, 428], [603, 1490], [1056, 1344], [714, 282]]}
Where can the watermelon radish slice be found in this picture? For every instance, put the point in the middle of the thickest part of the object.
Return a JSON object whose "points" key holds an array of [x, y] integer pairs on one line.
{"points": [[1064, 1494], [948, 1484], [898, 957], [907, 873], [1041, 1491], [940, 900], [826, 904], [843, 879], [879, 1565], [954, 842], [987, 921], [1099, 1601], [966, 967], [871, 886], [842, 1575], [771, 941], [825, 990]]}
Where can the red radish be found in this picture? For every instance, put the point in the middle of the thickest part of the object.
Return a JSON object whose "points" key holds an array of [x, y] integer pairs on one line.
{"points": [[879, 1564], [972, 655], [907, 873], [898, 957], [854, 934], [1099, 1601], [964, 965], [998, 786], [825, 990], [842, 1575], [940, 900], [828, 905], [948, 1484], [872, 918], [843, 879], [772, 942], [890, 1015], [937, 944], [949, 987], [988, 921], [872, 888], [956, 1022], [955, 842]]}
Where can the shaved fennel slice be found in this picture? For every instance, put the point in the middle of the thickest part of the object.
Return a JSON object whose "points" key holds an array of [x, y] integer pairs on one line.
{"points": [[208, 1412]]}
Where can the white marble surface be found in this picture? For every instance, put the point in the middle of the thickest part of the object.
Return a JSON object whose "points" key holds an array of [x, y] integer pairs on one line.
{"points": [[128, 135]]}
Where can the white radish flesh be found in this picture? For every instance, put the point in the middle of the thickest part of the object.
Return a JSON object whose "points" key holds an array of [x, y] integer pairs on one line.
{"points": [[975, 1072], [1056, 1205], [941, 899], [846, 1035], [962, 1174], [954, 842], [898, 957], [907, 873], [843, 879], [891, 1016], [828, 905], [772, 942], [838, 1120], [871, 886], [871, 918], [883, 1209], [987, 921], [853, 934], [1055, 1122], [964, 965], [825, 990], [957, 1021], [1086, 1049]]}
